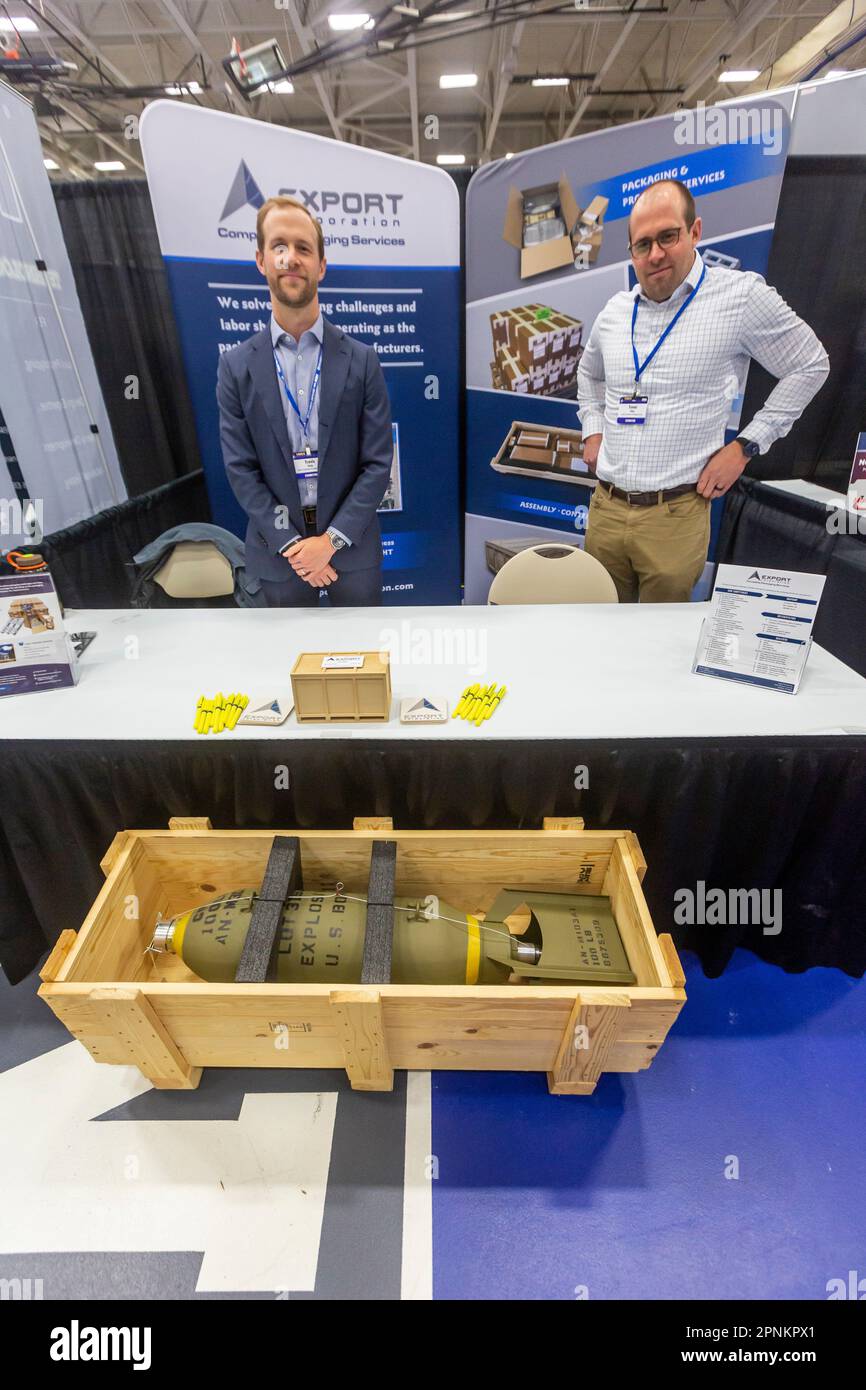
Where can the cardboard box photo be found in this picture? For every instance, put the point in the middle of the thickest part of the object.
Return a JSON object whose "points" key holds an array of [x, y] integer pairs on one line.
{"points": [[536, 350], [538, 223]]}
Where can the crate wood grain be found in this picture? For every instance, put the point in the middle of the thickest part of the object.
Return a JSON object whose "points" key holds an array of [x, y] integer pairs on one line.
{"points": [[128, 1006]]}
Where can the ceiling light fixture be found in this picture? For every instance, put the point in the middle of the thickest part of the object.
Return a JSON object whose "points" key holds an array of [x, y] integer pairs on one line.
{"points": [[458, 79]]}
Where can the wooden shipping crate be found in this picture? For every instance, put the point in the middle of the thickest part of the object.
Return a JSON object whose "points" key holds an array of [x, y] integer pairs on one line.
{"points": [[361, 693], [130, 1007]]}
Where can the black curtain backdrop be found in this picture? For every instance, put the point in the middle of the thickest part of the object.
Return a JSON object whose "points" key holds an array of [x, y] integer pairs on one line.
{"points": [[111, 238], [91, 562], [764, 526], [816, 264], [784, 813]]}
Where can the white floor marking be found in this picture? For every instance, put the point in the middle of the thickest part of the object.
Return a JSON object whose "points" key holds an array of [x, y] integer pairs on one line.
{"points": [[249, 1193], [417, 1278]]}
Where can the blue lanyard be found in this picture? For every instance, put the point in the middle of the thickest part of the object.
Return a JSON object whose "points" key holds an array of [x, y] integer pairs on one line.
{"points": [[640, 367], [305, 421]]}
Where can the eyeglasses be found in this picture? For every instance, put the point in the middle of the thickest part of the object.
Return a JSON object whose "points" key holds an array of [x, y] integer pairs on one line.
{"points": [[641, 249]]}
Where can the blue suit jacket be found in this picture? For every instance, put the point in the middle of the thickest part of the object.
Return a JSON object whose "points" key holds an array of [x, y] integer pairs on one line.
{"points": [[355, 449]]}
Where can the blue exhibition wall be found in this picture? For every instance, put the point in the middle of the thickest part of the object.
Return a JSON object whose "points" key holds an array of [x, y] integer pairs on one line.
{"points": [[733, 159], [392, 239]]}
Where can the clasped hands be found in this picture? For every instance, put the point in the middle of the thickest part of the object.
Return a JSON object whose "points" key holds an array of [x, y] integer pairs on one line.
{"points": [[310, 559]]}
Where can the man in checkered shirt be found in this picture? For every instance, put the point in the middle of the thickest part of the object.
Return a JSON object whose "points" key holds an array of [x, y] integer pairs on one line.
{"points": [[654, 434]]}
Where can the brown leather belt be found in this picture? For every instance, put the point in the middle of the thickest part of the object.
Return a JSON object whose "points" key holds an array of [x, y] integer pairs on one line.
{"points": [[647, 499]]}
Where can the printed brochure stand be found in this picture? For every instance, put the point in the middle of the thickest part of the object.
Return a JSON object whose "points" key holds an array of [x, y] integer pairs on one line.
{"points": [[759, 628]]}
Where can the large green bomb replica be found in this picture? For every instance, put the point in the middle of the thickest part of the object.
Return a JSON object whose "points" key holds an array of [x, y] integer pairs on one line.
{"points": [[545, 937]]}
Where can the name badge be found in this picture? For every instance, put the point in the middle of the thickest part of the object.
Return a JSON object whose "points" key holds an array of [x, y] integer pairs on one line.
{"points": [[306, 465], [632, 410]]}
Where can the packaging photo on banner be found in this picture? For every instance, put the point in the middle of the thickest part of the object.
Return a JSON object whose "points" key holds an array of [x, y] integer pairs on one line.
{"points": [[392, 245], [546, 248]]}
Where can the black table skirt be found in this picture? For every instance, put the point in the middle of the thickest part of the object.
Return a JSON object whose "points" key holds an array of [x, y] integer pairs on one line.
{"points": [[779, 530], [786, 813]]}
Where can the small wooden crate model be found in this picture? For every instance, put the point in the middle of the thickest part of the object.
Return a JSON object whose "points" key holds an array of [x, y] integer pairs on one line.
{"points": [[130, 1007], [357, 692]]}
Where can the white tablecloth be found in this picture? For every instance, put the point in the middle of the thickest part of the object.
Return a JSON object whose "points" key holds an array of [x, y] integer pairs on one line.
{"points": [[593, 671]]}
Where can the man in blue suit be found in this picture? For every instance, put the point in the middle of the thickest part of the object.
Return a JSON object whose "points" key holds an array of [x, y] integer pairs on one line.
{"points": [[305, 427]]}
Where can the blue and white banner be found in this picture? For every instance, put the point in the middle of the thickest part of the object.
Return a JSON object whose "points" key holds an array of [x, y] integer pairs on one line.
{"points": [[546, 248], [392, 246]]}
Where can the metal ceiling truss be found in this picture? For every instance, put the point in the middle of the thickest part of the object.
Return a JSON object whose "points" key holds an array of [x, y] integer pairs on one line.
{"points": [[658, 56]]}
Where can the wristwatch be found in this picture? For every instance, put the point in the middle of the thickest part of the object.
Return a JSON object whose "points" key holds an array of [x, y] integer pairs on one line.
{"points": [[748, 446], [336, 541]]}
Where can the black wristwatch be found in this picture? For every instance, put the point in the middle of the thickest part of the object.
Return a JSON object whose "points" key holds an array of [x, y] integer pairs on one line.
{"points": [[748, 446]]}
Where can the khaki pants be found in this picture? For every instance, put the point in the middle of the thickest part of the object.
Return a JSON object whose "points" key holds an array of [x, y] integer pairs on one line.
{"points": [[653, 554]]}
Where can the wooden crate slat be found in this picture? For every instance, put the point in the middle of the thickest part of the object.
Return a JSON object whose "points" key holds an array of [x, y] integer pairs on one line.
{"points": [[62, 946], [362, 1031], [134, 1021], [578, 1067]]}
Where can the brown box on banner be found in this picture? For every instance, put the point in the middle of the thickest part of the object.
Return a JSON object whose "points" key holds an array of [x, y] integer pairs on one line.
{"points": [[558, 332], [533, 439], [557, 357], [593, 215], [569, 462], [532, 343], [588, 245], [501, 327], [515, 374], [568, 331], [543, 256], [539, 456], [574, 332]]}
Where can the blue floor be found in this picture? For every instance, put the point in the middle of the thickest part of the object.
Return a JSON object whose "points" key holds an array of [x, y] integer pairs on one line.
{"points": [[624, 1195]]}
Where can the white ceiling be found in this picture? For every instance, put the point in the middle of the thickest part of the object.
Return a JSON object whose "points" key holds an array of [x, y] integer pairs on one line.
{"points": [[628, 63]]}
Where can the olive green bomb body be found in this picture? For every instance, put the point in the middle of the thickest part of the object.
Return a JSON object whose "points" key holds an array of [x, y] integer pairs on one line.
{"points": [[320, 940]]}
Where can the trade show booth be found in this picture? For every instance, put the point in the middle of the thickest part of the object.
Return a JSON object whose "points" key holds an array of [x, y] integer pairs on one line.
{"points": [[487, 827]]}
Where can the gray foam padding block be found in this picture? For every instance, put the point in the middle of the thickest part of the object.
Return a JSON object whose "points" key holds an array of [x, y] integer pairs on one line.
{"points": [[379, 938], [282, 877]]}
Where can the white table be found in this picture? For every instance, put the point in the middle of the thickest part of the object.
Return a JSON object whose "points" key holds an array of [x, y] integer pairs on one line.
{"points": [[591, 672]]}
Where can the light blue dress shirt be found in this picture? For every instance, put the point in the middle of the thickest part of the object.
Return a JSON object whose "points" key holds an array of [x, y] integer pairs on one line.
{"points": [[298, 361]]}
